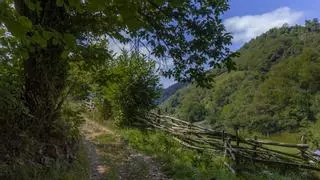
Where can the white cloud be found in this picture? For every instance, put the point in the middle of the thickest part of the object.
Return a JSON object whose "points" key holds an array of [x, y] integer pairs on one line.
{"points": [[166, 82], [247, 27], [117, 46]]}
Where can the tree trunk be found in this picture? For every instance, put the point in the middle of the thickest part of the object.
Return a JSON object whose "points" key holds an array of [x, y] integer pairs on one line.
{"points": [[45, 76], [45, 72]]}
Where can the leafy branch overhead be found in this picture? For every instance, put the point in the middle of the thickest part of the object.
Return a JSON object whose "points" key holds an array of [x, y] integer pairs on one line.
{"points": [[50, 48], [190, 33]]}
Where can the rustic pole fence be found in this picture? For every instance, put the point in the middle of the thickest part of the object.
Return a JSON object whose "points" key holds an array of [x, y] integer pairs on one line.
{"points": [[233, 146]]}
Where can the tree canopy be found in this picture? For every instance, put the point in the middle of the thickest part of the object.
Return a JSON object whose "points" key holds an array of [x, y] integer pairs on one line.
{"points": [[188, 32], [51, 47]]}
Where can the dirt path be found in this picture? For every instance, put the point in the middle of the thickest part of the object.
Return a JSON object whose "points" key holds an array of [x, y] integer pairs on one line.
{"points": [[110, 158], [90, 131]]}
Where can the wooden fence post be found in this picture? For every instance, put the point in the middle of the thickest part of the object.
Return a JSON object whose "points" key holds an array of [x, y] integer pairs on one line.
{"points": [[255, 147], [236, 168], [235, 157], [223, 138], [237, 137], [224, 142], [302, 150], [226, 148], [236, 153], [158, 118]]}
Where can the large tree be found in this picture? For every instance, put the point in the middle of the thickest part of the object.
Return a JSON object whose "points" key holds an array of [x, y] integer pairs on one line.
{"points": [[52, 33]]}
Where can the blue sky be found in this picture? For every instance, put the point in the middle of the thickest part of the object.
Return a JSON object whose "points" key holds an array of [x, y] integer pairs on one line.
{"points": [[254, 7], [247, 19]]}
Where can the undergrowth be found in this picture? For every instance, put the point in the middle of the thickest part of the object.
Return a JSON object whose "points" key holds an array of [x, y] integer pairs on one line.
{"points": [[57, 155], [77, 170]]}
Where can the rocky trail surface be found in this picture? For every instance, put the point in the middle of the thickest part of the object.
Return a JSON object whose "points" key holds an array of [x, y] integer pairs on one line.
{"points": [[111, 158]]}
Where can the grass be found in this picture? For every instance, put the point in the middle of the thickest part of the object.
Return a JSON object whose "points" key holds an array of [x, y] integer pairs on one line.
{"points": [[104, 139], [285, 137], [77, 170], [179, 163], [182, 163], [283, 149]]}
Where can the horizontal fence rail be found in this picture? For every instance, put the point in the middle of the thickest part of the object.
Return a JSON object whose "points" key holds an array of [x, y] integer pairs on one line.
{"points": [[233, 146]]}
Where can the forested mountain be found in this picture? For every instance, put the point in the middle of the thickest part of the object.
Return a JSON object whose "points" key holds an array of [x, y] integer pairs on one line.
{"points": [[276, 85], [169, 91]]}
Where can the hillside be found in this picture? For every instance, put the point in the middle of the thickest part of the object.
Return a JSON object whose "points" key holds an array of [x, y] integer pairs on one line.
{"points": [[276, 85], [169, 91]]}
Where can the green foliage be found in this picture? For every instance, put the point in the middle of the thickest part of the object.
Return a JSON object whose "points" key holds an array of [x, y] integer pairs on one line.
{"points": [[274, 89], [68, 124], [131, 89], [194, 37], [314, 135], [22, 137], [180, 163], [194, 112]]}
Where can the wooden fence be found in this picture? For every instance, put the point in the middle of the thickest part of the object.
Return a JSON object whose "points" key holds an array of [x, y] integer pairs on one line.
{"points": [[233, 146]]}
